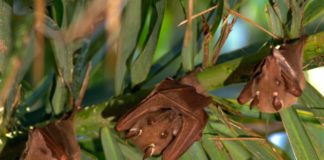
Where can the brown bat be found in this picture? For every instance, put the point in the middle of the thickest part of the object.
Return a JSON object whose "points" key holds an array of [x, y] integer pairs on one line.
{"points": [[168, 121], [55, 141], [278, 80]]}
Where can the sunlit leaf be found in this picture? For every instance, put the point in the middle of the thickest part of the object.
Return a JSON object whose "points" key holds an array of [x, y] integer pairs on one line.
{"points": [[298, 137], [142, 64], [110, 146]]}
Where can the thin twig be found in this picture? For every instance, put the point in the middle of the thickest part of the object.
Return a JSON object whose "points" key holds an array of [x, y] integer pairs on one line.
{"points": [[17, 97], [188, 33], [197, 15], [10, 81], [238, 139], [83, 87], [253, 23], [38, 65], [226, 29], [207, 38]]}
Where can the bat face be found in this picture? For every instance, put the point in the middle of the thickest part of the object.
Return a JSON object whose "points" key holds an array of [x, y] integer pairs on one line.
{"points": [[266, 89], [168, 121], [278, 80], [154, 132]]}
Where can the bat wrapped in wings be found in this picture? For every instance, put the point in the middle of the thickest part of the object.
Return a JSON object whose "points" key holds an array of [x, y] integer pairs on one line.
{"points": [[168, 121], [278, 80]]}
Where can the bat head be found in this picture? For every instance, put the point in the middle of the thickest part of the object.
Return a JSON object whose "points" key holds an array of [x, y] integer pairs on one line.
{"points": [[269, 86], [155, 131]]}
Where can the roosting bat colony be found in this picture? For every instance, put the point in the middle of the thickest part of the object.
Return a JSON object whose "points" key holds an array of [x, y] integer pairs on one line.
{"points": [[172, 117]]}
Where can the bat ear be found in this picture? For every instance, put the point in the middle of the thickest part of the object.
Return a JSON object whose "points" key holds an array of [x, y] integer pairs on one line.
{"points": [[246, 93]]}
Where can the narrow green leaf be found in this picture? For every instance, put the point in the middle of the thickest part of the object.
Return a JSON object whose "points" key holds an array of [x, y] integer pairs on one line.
{"points": [[316, 132], [109, 144], [313, 100], [275, 19], [194, 152], [80, 69], [87, 156], [64, 60], [131, 24], [169, 69], [63, 55], [24, 39], [130, 152], [218, 16], [298, 138], [295, 19], [234, 148], [5, 31], [313, 10], [58, 11], [189, 46], [259, 149], [59, 97], [210, 147], [142, 64]]}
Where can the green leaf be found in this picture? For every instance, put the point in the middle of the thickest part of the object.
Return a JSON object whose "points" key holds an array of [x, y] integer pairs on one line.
{"points": [[189, 46], [131, 25], [275, 19], [64, 59], [63, 55], [130, 152], [58, 11], [80, 69], [297, 135], [109, 144], [213, 151], [295, 19], [5, 31], [314, 50], [316, 132], [169, 69], [59, 97], [313, 10], [24, 39], [142, 64], [313, 100], [218, 16], [194, 152]]}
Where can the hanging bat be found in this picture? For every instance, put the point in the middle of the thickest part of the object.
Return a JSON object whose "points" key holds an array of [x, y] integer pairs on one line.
{"points": [[278, 79], [168, 121], [55, 141]]}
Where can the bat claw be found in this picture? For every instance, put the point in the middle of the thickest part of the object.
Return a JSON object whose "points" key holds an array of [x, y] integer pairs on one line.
{"points": [[255, 100], [276, 103], [149, 151], [133, 133]]}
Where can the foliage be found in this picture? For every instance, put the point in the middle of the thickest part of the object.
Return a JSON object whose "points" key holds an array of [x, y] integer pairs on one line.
{"points": [[44, 59]]}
